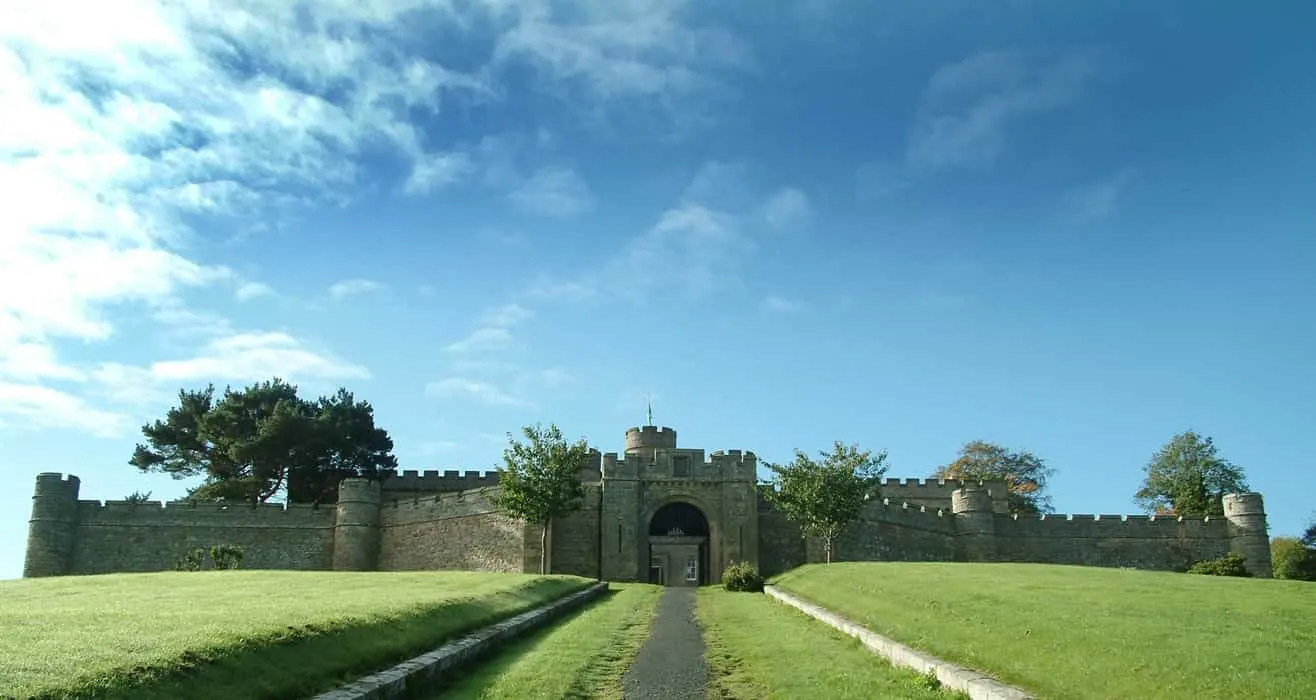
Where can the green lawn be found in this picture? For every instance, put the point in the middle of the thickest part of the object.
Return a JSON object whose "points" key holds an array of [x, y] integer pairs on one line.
{"points": [[584, 656], [758, 648], [1074, 632], [239, 634]]}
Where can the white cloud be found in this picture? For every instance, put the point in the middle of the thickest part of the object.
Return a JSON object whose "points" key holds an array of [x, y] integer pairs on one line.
{"points": [[968, 107], [252, 290], [553, 191], [111, 171], [781, 305], [478, 391], [347, 288], [436, 171], [243, 357], [35, 407], [562, 290], [1100, 199], [691, 247], [787, 208], [505, 316], [253, 357], [482, 340]]}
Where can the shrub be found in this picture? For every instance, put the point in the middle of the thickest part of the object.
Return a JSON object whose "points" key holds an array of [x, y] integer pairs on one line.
{"points": [[191, 561], [226, 556], [742, 577], [1229, 565], [1292, 560]]}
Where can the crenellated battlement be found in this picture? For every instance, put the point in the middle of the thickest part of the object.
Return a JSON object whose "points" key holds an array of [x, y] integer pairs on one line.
{"points": [[185, 508], [439, 482]]}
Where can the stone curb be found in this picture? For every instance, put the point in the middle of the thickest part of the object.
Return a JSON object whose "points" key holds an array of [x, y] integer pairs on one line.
{"points": [[978, 685], [422, 672]]}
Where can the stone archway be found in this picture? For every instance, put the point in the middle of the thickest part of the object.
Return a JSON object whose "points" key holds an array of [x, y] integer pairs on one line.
{"points": [[679, 544]]}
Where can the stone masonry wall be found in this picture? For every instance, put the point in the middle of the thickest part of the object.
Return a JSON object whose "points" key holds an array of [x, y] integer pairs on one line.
{"points": [[450, 531], [119, 536], [1136, 541], [574, 540]]}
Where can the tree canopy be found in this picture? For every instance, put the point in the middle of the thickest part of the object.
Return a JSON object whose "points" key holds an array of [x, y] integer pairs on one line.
{"points": [[1025, 474], [540, 479], [261, 441], [1187, 477], [823, 496]]}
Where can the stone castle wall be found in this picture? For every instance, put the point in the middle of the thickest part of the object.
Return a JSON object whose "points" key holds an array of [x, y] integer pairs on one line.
{"points": [[968, 531], [374, 527]]}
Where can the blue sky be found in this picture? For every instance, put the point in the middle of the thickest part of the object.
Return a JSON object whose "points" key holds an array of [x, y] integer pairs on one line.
{"points": [[1072, 228]]}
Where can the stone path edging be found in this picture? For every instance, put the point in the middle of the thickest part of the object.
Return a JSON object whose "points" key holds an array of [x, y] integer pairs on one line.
{"points": [[423, 671], [978, 685]]}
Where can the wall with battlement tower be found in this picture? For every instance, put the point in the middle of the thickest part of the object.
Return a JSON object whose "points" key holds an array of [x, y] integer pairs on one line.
{"points": [[449, 520], [972, 529], [72, 536]]}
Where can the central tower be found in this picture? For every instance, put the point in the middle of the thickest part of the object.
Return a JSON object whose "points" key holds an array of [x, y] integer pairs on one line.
{"points": [[645, 441]]}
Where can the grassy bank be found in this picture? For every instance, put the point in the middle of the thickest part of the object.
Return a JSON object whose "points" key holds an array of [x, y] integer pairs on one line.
{"points": [[583, 656], [239, 634], [758, 648], [1076, 632]]}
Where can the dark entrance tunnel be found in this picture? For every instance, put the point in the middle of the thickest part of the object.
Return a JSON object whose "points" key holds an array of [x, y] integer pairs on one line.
{"points": [[673, 524], [675, 519]]}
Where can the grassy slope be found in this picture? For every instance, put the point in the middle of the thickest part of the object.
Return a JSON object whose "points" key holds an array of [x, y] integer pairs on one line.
{"points": [[758, 648], [239, 634], [583, 656], [1077, 632]]}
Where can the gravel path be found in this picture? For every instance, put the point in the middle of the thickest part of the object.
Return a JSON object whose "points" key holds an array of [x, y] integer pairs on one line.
{"points": [[671, 661]]}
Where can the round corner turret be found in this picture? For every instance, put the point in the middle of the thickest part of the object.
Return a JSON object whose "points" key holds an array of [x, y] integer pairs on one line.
{"points": [[53, 527], [1248, 532], [356, 528]]}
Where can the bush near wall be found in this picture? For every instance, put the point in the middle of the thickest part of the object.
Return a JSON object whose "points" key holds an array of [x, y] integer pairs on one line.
{"points": [[742, 577], [1229, 565], [221, 556]]}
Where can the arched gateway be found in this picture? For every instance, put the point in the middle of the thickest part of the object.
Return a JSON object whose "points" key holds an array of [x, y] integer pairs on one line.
{"points": [[678, 545], [661, 513]]}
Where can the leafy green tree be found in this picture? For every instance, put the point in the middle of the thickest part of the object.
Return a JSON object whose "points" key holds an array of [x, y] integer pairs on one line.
{"points": [[1292, 560], [252, 444], [1187, 477], [1309, 536], [823, 496], [540, 479], [1025, 474]]}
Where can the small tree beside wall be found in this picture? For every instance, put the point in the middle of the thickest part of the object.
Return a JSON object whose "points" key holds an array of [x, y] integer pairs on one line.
{"points": [[540, 480], [823, 496]]}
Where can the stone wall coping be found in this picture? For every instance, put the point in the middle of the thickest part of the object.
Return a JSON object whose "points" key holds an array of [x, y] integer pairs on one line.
{"points": [[426, 670], [978, 685]]}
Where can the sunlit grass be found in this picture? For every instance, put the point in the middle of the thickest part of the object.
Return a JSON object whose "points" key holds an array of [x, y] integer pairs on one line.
{"points": [[1076, 632], [584, 656], [239, 634], [758, 648]]}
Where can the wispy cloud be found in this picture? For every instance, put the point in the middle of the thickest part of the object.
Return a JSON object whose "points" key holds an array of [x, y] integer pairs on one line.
{"points": [[29, 406], [505, 316], [781, 305], [249, 111], [482, 340], [474, 390], [968, 108], [252, 290], [1100, 199], [788, 207], [553, 191], [353, 287], [243, 357]]}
